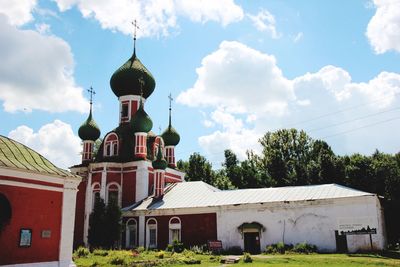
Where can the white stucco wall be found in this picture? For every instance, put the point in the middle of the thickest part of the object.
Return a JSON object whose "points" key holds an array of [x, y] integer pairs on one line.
{"points": [[313, 222]]}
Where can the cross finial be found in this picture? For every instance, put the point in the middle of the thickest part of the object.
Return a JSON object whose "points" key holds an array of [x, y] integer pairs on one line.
{"points": [[170, 100], [170, 104], [91, 92], [135, 27], [159, 129]]}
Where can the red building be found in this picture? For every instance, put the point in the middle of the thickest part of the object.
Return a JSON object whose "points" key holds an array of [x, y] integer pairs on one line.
{"points": [[37, 208], [126, 166]]}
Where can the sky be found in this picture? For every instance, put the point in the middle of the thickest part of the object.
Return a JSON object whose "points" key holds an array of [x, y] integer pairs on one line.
{"points": [[236, 70]]}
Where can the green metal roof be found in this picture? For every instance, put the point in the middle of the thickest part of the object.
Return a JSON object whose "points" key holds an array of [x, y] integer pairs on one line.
{"points": [[160, 163], [126, 79], [89, 129], [171, 136], [18, 156], [141, 121]]}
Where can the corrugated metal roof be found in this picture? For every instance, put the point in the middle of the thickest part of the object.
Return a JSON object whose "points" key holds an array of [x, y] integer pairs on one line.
{"points": [[18, 156], [200, 194]]}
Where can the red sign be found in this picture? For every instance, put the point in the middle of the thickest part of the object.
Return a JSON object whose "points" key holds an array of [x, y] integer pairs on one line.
{"points": [[215, 245]]}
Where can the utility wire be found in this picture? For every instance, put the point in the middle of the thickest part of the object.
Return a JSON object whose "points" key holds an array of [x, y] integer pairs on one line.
{"points": [[352, 120], [341, 110], [332, 125], [362, 127]]}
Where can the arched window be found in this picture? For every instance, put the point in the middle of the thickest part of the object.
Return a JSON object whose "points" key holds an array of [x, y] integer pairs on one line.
{"points": [[113, 193], [151, 233], [111, 145], [95, 193], [131, 233], [5, 211], [174, 229]]}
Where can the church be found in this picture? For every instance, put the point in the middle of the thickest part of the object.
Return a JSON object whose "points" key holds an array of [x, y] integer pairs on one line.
{"points": [[137, 168]]}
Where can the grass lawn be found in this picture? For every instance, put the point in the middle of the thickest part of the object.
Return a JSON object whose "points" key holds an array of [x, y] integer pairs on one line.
{"points": [[152, 258]]}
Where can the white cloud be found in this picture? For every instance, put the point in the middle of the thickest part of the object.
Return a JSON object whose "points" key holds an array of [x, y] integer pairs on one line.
{"points": [[223, 11], [385, 87], [155, 17], [17, 12], [383, 29], [239, 142], [298, 37], [55, 141], [37, 72], [250, 95], [42, 28], [264, 21], [241, 79]]}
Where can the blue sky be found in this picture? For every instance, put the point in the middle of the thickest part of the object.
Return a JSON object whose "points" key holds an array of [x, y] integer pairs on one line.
{"points": [[235, 68]]}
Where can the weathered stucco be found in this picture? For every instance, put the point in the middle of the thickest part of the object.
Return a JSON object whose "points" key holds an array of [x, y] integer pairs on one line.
{"points": [[313, 222]]}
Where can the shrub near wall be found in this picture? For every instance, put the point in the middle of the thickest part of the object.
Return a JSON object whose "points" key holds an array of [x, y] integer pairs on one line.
{"points": [[281, 248]]}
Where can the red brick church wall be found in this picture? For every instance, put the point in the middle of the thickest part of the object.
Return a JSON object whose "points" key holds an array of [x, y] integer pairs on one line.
{"points": [[196, 229], [33, 209]]}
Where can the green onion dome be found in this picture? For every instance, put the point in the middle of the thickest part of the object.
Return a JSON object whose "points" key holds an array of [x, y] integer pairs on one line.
{"points": [[141, 122], [125, 80], [89, 129], [171, 136], [160, 163]]}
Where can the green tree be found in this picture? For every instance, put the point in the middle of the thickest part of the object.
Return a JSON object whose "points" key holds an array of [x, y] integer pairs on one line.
{"points": [[97, 224], [104, 224], [284, 157], [232, 169], [323, 166], [199, 169], [112, 223]]}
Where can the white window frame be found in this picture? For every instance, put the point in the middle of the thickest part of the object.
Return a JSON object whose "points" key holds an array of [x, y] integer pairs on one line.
{"points": [[93, 193], [119, 192], [174, 226], [128, 233], [152, 227], [111, 144]]}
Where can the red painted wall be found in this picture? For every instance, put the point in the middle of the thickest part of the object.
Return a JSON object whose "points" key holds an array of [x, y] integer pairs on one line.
{"points": [[35, 209], [96, 177], [113, 177], [151, 183], [79, 215], [196, 229], [129, 189]]}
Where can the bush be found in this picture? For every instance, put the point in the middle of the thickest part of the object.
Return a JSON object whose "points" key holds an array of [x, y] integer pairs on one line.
{"points": [[305, 248], [235, 250], [81, 252], [140, 249], [278, 248], [202, 249], [160, 254], [191, 261], [247, 258], [118, 260], [177, 246], [100, 252], [169, 248]]}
